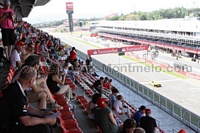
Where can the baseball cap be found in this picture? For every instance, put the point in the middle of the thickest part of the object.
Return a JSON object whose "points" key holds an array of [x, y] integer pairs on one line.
{"points": [[182, 131], [7, 2], [101, 102], [20, 43], [147, 110], [142, 107]]}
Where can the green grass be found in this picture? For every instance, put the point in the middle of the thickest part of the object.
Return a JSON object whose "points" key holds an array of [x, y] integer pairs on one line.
{"points": [[153, 67], [138, 61], [86, 42]]}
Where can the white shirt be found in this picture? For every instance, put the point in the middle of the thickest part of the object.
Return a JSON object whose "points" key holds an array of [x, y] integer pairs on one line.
{"points": [[34, 34], [117, 105], [15, 56]]}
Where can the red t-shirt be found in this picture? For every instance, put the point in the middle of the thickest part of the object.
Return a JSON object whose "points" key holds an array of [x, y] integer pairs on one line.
{"points": [[107, 85], [72, 55]]}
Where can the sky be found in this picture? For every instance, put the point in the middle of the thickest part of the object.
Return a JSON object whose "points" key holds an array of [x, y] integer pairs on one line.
{"points": [[56, 9]]}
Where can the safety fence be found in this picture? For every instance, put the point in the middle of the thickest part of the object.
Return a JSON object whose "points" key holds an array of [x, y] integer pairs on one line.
{"points": [[189, 118]]}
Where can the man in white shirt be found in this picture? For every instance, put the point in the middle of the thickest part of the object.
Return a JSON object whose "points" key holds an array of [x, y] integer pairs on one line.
{"points": [[119, 105], [15, 56]]}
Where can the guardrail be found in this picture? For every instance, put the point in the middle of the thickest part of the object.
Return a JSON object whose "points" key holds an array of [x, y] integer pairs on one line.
{"points": [[187, 117]]}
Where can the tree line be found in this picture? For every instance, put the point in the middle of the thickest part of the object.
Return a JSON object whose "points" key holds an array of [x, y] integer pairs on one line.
{"points": [[178, 12]]}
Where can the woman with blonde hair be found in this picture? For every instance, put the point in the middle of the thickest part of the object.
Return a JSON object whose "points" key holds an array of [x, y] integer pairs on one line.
{"points": [[56, 82]]}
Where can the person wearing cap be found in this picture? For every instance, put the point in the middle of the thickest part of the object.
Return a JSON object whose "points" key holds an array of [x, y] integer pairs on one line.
{"points": [[139, 114], [16, 53], [7, 25], [147, 122], [182, 131], [92, 104], [104, 117]]}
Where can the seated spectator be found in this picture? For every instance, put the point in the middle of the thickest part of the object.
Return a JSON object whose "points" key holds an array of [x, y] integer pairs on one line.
{"points": [[82, 67], [43, 46], [37, 48], [182, 131], [129, 126], [106, 79], [139, 130], [92, 104], [43, 49], [65, 68], [70, 72], [104, 117], [147, 122], [112, 97], [139, 114], [53, 54], [25, 117], [107, 85], [98, 85], [64, 56], [15, 56], [56, 84], [119, 105], [30, 49], [92, 71]]}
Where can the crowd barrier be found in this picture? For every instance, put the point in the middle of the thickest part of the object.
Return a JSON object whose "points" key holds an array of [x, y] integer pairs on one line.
{"points": [[189, 118]]}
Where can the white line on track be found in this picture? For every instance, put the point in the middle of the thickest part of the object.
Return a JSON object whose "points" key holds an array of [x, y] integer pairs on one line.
{"points": [[167, 80]]}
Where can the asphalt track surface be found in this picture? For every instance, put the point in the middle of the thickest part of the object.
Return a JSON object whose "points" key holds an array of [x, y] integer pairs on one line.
{"points": [[183, 91]]}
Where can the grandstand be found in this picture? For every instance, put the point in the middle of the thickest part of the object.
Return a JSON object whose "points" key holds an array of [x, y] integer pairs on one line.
{"points": [[177, 35]]}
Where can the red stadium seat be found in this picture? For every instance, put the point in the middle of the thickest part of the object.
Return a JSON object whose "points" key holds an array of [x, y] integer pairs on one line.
{"points": [[69, 125], [76, 130], [67, 115], [65, 110], [62, 102], [59, 97]]}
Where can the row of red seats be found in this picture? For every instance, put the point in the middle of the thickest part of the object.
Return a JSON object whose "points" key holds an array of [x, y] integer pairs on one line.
{"points": [[71, 83], [86, 88], [9, 77], [67, 120], [84, 102], [11, 73], [86, 80]]}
